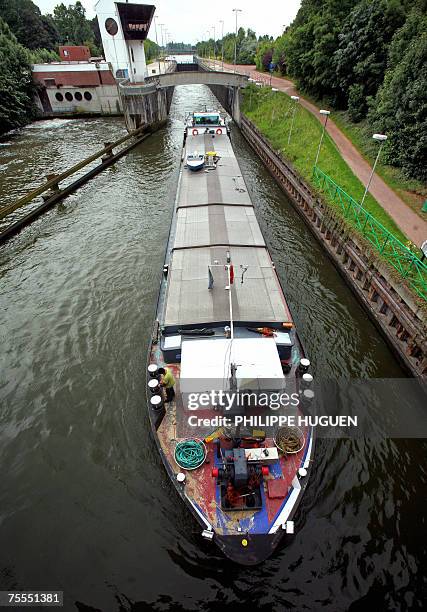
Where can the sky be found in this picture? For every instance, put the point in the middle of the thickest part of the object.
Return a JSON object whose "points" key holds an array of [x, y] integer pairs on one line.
{"points": [[189, 20]]}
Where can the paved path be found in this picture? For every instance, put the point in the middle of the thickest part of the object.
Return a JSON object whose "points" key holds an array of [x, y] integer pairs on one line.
{"points": [[405, 218]]}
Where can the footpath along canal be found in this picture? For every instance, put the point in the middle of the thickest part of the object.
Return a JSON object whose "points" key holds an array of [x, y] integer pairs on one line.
{"points": [[85, 505]]}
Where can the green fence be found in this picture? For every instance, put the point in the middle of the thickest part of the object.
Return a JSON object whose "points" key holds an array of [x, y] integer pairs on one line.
{"points": [[409, 265]]}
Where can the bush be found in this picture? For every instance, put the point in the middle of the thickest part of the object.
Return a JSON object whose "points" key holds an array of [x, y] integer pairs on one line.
{"points": [[16, 83]]}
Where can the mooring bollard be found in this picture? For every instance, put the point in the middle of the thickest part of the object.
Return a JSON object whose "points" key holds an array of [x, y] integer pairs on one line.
{"points": [[54, 189], [108, 153]]}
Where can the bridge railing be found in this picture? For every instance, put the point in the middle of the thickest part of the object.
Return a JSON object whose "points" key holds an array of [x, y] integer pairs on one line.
{"points": [[407, 263]]}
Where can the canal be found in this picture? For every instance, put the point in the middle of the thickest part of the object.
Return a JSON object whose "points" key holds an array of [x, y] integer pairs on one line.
{"points": [[85, 505]]}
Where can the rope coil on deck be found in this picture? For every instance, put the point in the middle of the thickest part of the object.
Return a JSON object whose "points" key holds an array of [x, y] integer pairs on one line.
{"points": [[190, 454]]}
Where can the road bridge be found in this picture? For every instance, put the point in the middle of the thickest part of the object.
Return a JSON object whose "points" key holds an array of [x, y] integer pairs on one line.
{"points": [[149, 102]]}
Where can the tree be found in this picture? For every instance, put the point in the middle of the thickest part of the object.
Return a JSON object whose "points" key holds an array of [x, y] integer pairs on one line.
{"points": [[247, 51], [264, 55], [31, 28], [311, 42], [71, 23], [361, 58], [16, 84], [43, 56], [151, 49], [400, 107]]}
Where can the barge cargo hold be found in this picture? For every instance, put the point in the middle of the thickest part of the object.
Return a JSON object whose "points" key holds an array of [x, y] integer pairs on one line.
{"points": [[223, 324]]}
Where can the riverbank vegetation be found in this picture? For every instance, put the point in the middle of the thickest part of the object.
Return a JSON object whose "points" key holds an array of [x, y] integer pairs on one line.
{"points": [[247, 45], [16, 85], [272, 113], [368, 59], [296, 138]]}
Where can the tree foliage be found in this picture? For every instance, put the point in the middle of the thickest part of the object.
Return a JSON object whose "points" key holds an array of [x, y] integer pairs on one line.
{"points": [[71, 23], [367, 57], [43, 56], [246, 48], [400, 107], [151, 49], [31, 28], [16, 84], [361, 57]]}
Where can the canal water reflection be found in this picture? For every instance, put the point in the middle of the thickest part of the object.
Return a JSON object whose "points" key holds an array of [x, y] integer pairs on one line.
{"points": [[85, 506]]}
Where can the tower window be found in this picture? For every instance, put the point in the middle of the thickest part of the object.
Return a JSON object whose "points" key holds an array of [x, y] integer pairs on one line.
{"points": [[111, 26]]}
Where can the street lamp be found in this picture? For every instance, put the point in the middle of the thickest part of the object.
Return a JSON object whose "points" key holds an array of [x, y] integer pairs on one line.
{"points": [[236, 10], [161, 25], [157, 43], [214, 45], [381, 138], [273, 90], [326, 114], [222, 44], [295, 99], [208, 32]]}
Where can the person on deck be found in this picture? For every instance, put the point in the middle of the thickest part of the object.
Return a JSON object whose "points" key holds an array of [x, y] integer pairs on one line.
{"points": [[168, 382]]}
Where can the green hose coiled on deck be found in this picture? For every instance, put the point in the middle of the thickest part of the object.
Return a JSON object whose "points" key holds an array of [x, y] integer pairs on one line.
{"points": [[190, 454]]}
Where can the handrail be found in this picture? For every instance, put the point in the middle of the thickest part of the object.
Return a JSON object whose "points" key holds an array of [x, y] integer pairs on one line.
{"points": [[53, 182], [407, 263]]}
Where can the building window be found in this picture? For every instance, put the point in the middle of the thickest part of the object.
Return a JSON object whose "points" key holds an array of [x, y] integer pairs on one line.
{"points": [[88, 96], [78, 96], [132, 55], [111, 26], [50, 82], [59, 96], [69, 96]]}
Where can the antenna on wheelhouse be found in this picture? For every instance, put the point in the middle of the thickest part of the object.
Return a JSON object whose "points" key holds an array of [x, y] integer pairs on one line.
{"points": [[230, 274]]}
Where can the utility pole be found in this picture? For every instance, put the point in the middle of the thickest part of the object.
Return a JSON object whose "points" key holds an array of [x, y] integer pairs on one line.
{"points": [[157, 43], [381, 138], [161, 32], [326, 114], [222, 45], [214, 45], [296, 100], [236, 10]]}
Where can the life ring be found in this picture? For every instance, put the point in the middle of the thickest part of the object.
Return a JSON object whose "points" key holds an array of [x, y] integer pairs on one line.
{"points": [[195, 132], [219, 131]]}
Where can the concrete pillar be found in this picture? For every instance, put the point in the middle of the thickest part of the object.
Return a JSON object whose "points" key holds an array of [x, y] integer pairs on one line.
{"points": [[236, 114]]}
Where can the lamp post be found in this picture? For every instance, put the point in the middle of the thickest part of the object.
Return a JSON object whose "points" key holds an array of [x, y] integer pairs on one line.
{"points": [[236, 10], [381, 138], [157, 43], [208, 32], [214, 45], [273, 90], [161, 25], [295, 99], [222, 45], [326, 114]]}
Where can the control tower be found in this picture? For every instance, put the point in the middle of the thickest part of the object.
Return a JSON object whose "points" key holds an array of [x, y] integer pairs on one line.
{"points": [[124, 26]]}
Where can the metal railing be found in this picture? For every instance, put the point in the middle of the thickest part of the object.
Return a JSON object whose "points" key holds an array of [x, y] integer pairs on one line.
{"points": [[407, 263]]}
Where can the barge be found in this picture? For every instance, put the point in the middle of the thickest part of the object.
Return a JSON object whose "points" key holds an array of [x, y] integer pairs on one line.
{"points": [[225, 338]]}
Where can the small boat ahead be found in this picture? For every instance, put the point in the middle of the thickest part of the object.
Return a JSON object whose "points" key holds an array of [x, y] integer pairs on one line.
{"points": [[195, 162]]}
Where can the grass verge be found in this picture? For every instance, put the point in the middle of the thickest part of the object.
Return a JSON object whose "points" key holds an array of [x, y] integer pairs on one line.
{"points": [[411, 191], [272, 114]]}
